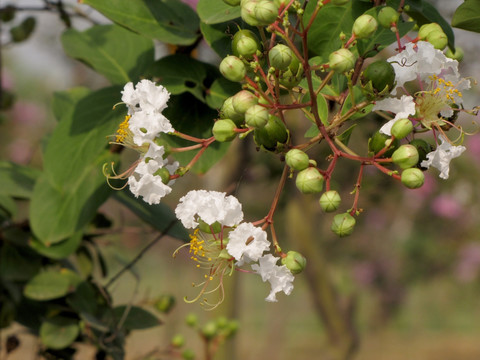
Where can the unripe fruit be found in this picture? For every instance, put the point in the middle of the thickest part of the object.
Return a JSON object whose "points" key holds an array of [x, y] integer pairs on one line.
{"points": [[232, 2], [427, 29], [233, 68], [422, 147], [330, 201], [266, 12], [381, 73], [295, 262], [228, 112], [209, 330], [458, 55], [191, 320], [164, 174], [341, 60], [256, 116], [297, 159], [343, 224], [280, 56], [401, 128], [438, 39], [188, 354], [364, 27], [243, 100], [245, 43], [388, 16], [378, 141], [413, 178], [224, 130], [165, 303], [406, 156], [271, 134], [178, 341], [247, 12], [309, 181]]}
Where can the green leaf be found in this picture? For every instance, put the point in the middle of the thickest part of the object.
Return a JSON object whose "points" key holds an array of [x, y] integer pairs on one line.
{"points": [[192, 117], [322, 107], [345, 136], [170, 21], [63, 101], [47, 285], [217, 36], [103, 48], [136, 319], [59, 250], [220, 90], [8, 207], [59, 332], [17, 180], [359, 97], [216, 11], [159, 216], [17, 264], [84, 299], [312, 131], [467, 16]]}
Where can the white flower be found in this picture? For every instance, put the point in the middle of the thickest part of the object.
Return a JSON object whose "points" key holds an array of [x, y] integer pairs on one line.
{"points": [[441, 157], [247, 243], [146, 126], [210, 206], [401, 107], [280, 277]]}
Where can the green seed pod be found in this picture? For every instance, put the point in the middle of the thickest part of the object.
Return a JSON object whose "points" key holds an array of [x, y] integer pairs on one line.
{"points": [[222, 322], [23, 31], [243, 100], [378, 141], [309, 181], [164, 174], [406, 156], [412, 178], [228, 112], [382, 75], [272, 134], [330, 201], [427, 29], [216, 227], [8, 13], [388, 16], [232, 328], [165, 303], [401, 128], [188, 354], [280, 56], [438, 39], [247, 12], [178, 341], [293, 75], [224, 130], [209, 330], [256, 116], [245, 43], [457, 55], [341, 60], [233, 68], [422, 147], [364, 26], [232, 2], [343, 224], [191, 320], [266, 12], [295, 262], [297, 159]]}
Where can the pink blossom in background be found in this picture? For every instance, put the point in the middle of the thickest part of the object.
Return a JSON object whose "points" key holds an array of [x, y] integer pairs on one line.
{"points": [[468, 263], [446, 206], [20, 151], [7, 80], [191, 3], [364, 273], [473, 146], [29, 114]]}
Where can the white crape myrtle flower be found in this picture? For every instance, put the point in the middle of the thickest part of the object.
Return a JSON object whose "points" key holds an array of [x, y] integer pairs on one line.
{"points": [[247, 243], [210, 206], [402, 108], [280, 277], [441, 157]]}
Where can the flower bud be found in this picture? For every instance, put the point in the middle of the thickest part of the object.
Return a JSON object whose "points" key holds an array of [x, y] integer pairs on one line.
{"points": [[191, 320], [438, 39], [297, 159], [406, 156], [222, 322], [378, 141], [232, 2], [382, 75], [164, 174], [188, 354], [266, 12], [178, 341], [412, 178], [215, 228], [165, 303], [401, 128], [280, 56], [245, 43], [388, 16], [272, 134], [233, 326], [228, 112], [330, 201], [233, 68], [224, 130], [457, 55], [295, 262], [364, 27], [422, 147], [341, 60], [256, 116], [427, 29], [339, 2], [309, 181], [343, 224], [209, 330], [247, 12], [292, 76], [243, 100]]}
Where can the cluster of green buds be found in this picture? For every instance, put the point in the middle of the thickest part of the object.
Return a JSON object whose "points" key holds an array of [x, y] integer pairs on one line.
{"points": [[434, 34]]}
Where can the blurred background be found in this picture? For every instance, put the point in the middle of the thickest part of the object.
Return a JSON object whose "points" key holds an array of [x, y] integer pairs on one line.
{"points": [[408, 279]]}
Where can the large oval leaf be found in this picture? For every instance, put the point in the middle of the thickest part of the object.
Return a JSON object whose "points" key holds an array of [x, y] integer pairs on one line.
{"points": [[17, 180], [47, 285], [59, 332], [215, 11], [467, 16]]}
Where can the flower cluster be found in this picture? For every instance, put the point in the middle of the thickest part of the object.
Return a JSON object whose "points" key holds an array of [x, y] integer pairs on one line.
{"points": [[227, 242]]}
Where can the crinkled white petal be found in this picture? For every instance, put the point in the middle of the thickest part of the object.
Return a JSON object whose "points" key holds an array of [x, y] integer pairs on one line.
{"points": [[147, 126], [280, 278], [152, 97], [402, 108], [245, 253], [441, 157], [130, 96], [150, 187], [210, 206]]}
